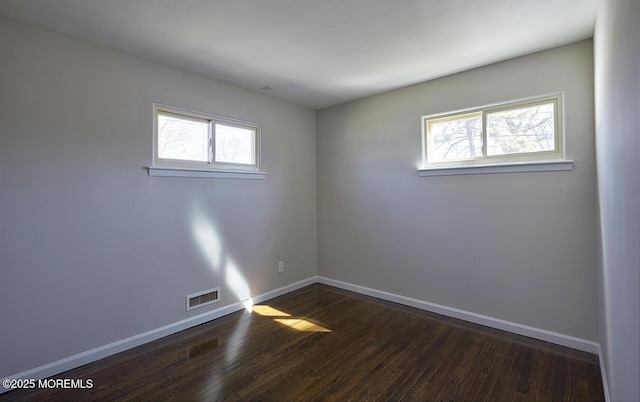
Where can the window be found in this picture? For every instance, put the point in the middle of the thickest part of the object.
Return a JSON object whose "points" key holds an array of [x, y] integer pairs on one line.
{"points": [[508, 133], [193, 141]]}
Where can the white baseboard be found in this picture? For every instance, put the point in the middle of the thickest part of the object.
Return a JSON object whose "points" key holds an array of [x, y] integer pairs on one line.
{"points": [[101, 352], [603, 374], [531, 332]]}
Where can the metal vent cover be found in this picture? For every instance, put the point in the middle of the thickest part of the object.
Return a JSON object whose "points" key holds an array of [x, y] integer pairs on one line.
{"points": [[203, 298]]}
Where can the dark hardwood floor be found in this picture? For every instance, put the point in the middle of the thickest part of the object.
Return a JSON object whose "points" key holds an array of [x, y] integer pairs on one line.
{"points": [[323, 343]]}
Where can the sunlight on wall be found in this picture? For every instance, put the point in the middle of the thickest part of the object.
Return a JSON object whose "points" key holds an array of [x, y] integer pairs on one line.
{"points": [[207, 238], [248, 305], [210, 244], [224, 268], [235, 280]]}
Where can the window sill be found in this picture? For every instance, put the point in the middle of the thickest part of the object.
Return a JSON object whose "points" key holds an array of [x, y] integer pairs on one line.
{"points": [[540, 166], [202, 173]]}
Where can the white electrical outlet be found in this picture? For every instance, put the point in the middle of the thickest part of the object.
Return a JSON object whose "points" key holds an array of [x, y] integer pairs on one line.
{"points": [[280, 266]]}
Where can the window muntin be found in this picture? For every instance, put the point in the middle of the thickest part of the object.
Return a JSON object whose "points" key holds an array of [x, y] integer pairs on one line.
{"points": [[525, 130], [187, 139]]}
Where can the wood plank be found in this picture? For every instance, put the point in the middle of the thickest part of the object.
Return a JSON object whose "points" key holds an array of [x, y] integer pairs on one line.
{"points": [[375, 350]]}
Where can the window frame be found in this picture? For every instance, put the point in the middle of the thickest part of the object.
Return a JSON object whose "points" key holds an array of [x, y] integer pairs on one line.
{"points": [[169, 166], [535, 158]]}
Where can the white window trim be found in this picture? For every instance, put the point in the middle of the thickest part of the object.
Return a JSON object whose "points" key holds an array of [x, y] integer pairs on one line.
{"points": [[519, 167], [162, 171], [514, 163], [176, 168]]}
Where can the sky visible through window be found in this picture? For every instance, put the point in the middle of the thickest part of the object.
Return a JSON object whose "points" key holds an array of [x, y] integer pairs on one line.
{"points": [[234, 145], [520, 130], [183, 139]]}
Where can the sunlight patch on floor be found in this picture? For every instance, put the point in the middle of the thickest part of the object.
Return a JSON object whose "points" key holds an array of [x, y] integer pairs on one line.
{"points": [[269, 311], [298, 324]]}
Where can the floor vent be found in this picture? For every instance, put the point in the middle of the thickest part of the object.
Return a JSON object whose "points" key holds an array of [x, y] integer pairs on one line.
{"points": [[202, 299]]}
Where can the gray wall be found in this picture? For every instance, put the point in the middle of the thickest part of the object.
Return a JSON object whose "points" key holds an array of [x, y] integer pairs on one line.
{"points": [[92, 249], [519, 247], [617, 77]]}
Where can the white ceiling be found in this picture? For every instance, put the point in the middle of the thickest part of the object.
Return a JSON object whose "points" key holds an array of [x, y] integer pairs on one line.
{"points": [[317, 53]]}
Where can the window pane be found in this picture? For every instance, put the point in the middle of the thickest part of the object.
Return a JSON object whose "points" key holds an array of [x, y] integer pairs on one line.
{"points": [[457, 138], [528, 129], [183, 139], [235, 145]]}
